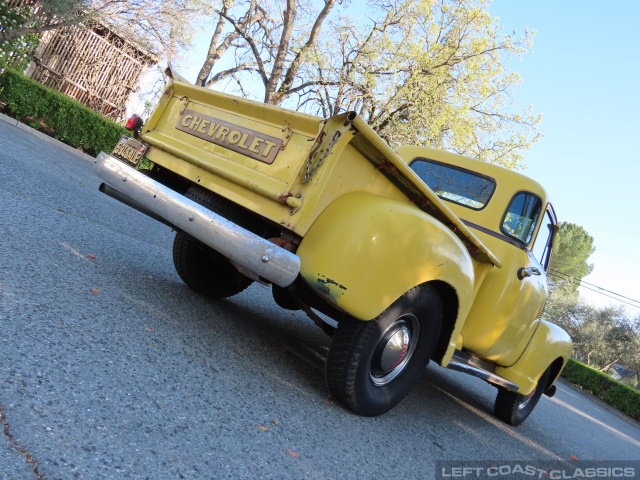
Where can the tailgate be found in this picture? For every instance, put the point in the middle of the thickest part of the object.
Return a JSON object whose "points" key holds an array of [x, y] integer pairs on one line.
{"points": [[250, 144]]}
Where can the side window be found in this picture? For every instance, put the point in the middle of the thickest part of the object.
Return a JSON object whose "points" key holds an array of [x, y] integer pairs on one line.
{"points": [[541, 247], [522, 216]]}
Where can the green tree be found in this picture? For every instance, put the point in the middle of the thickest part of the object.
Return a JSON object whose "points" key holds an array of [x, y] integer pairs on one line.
{"points": [[571, 251], [427, 72], [601, 336], [15, 51], [569, 313], [43, 15], [632, 358]]}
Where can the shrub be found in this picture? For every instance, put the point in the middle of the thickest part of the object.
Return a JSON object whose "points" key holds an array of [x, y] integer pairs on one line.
{"points": [[71, 122], [617, 394]]}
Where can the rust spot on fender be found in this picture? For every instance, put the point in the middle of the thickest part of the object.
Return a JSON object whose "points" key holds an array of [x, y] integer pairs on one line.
{"points": [[328, 283], [326, 287]]}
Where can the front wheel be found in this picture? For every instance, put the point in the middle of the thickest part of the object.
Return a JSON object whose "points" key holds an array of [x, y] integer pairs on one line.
{"points": [[373, 365], [514, 408]]}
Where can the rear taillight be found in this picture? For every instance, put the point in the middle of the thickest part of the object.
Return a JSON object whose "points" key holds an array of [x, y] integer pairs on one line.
{"points": [[134, 124]]}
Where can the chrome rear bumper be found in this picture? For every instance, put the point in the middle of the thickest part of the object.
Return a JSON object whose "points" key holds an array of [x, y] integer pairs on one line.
{"points": [[241, 246]]}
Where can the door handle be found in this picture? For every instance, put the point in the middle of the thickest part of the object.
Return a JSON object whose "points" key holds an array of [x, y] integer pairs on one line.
{"points": [[524, 272]]}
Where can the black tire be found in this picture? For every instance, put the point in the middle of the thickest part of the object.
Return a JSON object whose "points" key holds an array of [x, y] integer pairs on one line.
{"points": [[203, 269], [514, 408], [373, 365]]}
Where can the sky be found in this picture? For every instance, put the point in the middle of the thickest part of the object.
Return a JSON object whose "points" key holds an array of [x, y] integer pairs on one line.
{"points": [[583, 76]]}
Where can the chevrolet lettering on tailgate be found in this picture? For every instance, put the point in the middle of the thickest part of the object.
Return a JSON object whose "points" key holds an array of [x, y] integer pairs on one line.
{"points": [[242, 140]]}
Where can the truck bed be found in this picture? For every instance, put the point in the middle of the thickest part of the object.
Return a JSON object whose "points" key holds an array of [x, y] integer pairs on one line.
{"points": [[278, 162]]}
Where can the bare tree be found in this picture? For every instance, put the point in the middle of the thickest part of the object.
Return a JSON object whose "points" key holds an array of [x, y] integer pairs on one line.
{"points": [[270, 40], [164, 27]]}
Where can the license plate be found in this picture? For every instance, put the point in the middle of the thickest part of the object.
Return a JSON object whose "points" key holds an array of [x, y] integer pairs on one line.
{"points": [[129, 150]]}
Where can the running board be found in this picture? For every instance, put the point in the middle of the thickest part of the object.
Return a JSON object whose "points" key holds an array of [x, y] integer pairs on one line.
{"points": [[467, 363]]}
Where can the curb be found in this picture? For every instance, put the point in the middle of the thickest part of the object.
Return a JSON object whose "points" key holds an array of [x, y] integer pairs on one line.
{"points": [[26, 128]]}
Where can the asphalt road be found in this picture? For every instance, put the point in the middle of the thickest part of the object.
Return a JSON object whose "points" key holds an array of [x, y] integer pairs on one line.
{"points": [[110, 367]]}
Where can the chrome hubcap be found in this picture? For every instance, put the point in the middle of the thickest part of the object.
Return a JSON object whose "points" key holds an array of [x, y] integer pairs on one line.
{"points": [[394, 349]]}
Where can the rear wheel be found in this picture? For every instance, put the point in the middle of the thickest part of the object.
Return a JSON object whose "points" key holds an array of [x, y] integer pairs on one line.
{"points": [[199, 266], [514, 408], [372, 365]]}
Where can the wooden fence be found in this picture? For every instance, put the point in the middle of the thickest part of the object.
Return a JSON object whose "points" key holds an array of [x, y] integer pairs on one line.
{"points": [[94, 65]]}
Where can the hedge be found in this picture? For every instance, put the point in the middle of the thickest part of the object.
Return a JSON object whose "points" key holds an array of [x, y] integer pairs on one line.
{"points": [[617, 394], [64, 118]]}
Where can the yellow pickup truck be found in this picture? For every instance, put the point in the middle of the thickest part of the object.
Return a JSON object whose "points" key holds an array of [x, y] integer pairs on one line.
{"points": [[417, 254]]}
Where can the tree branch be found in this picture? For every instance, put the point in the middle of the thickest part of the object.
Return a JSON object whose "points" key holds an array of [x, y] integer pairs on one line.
{"points": [[311, 41]]}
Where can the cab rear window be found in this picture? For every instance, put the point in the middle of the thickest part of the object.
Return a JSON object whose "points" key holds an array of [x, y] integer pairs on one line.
{"points": [[456, 185]]}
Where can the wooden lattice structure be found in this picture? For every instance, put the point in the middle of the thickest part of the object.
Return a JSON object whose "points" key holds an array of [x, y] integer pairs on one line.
{"points": [[92, 64]]}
